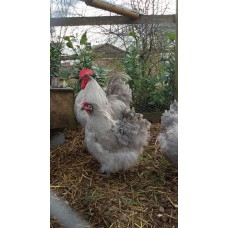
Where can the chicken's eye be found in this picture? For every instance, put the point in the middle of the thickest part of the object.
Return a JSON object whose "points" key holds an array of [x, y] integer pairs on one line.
{"points": [[89, 107]]}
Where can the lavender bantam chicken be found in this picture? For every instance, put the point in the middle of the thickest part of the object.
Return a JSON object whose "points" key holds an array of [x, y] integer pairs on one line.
{"points": [[168, 138], [117, 97], [116, 144]]}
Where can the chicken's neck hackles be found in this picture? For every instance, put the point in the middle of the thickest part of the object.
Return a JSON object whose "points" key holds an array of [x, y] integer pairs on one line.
{"points": [[84, 82]]}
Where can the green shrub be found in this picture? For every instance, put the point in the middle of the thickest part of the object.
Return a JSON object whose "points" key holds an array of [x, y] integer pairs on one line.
{"points": [[83, 58], [55, 53], [151, 91]]}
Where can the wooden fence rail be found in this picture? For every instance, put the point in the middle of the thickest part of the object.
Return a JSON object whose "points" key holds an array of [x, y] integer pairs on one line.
{"points": [[111, 20]]}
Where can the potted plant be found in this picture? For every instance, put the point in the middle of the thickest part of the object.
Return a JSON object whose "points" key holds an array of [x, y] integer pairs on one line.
{"points": [[64, 76]]}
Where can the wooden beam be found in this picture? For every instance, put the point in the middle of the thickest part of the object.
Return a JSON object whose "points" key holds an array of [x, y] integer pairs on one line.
{"points": [[112, 20], [112, 8], [68, 57]]}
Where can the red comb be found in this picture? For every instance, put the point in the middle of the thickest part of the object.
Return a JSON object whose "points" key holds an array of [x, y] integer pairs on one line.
{"points": [[84, 72]]}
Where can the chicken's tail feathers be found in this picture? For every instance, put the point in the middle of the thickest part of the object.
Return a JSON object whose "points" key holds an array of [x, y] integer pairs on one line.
{"points": [[174, 106], [170, 117], [118, 88]]}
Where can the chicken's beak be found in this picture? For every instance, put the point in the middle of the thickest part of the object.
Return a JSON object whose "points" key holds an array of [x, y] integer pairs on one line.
{"points": [[82, 108]]}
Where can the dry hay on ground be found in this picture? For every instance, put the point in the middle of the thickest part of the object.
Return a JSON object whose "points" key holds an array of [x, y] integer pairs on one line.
{"points": [[145, 196]]}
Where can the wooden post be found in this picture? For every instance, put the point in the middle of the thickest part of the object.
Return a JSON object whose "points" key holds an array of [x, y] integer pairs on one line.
{"points": [[100, 4], [176, 56]]}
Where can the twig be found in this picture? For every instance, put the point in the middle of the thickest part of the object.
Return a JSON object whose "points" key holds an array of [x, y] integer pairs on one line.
{"points": [[170, 216], [57, 186], [175, 205]]}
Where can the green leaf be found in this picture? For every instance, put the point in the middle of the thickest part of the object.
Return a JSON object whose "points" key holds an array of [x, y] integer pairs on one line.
{"points": [[83, 39], [132, 33], [75, 74], [69, 44], [67, 38], [171, 36]]}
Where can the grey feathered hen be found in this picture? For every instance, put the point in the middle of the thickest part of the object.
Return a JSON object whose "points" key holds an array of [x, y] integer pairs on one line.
{"points": [[116, 144], [117, 97], [168, 138]]}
